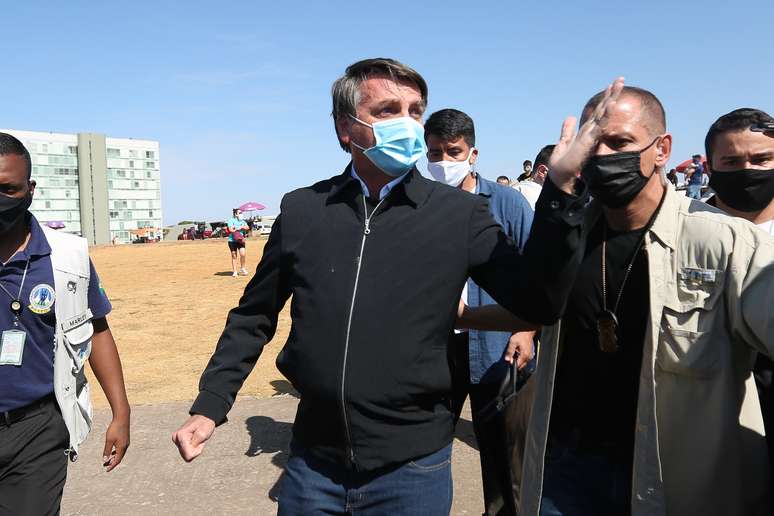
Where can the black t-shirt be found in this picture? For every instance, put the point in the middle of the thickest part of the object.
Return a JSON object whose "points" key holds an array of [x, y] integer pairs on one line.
{"points": [[595, 396]]}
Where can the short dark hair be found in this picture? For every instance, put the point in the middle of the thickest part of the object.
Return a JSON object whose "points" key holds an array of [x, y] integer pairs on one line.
{"points": [[346, 89], [652, 108], [449, 124], [504, 177], [544, 156], [736, 120], [526, 162], [696, 156], [11, 145]]}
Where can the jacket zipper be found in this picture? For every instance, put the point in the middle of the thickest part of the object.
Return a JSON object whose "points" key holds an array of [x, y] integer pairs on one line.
{"points": [[366, 232]]}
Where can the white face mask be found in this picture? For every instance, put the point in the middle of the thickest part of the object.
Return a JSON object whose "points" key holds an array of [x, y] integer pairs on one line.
{"points": [[451, 173]]}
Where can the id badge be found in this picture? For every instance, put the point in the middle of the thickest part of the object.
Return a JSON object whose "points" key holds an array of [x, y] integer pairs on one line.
{"points": [[12, 347]]}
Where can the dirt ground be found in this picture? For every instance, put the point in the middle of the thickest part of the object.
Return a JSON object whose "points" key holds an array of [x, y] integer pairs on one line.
{"points": [[170, 302]]}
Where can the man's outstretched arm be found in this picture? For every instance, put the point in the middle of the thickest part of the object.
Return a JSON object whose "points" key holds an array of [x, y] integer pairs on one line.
{"points": [[248, 328]]}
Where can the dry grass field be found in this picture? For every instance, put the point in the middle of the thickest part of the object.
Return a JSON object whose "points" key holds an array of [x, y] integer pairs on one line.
{"points": [[170, 302]]}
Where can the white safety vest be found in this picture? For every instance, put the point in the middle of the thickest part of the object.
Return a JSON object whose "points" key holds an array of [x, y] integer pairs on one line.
{"points": [[74, 330]]}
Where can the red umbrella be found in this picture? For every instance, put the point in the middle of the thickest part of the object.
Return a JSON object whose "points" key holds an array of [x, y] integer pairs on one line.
{"points": [[252, 206], [682, 166]]}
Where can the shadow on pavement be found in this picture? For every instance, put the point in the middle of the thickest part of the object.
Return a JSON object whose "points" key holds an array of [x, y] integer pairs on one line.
{"points": [[269, 436], [283, 387], [224, 273]]}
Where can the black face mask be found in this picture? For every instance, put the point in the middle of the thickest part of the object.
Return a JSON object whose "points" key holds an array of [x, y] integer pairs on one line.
{"points": [[744, 190], [12, 210], [615, 179]]}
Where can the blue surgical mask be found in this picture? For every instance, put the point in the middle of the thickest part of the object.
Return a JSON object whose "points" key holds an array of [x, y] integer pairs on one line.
{"points": [[400, 142]]}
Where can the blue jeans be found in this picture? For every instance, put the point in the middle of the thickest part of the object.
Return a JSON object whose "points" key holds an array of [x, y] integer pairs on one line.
{"points": [[694, 191], [311, 486], [583, 483]]}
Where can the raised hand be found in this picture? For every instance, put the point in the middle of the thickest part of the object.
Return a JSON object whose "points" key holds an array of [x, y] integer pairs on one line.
{"points": [[572, 151]]}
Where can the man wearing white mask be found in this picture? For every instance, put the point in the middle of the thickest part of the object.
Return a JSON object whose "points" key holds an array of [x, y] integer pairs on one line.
{"points": [[479, 362]]}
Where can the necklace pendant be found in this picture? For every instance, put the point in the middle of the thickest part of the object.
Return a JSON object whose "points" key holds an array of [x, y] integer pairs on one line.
{"points": [[16, 307], [607, 326]]}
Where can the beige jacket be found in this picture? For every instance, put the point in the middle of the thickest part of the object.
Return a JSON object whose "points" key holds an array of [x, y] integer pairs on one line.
{"points": [[699, 447]]}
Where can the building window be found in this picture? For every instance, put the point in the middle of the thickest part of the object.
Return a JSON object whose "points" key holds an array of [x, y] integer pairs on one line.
{"points": [[135, 184], [48, 205], [110, 184], [148, 174], [113, 214], [132, 153], [150, 154], [114, 153], [44, 148], [150, 164], [150, 213], [131, 164], [121, 173], [67, 193]]}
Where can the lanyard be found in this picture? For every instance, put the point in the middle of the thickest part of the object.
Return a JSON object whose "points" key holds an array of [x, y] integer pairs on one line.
{"points": [[16, 304]]}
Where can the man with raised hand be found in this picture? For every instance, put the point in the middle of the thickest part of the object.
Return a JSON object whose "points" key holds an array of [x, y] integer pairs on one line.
{"points": [[645, 400], [375, 259]]}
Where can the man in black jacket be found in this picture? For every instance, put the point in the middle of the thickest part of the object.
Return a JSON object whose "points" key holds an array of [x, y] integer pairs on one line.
{"points": [[375, 259]]}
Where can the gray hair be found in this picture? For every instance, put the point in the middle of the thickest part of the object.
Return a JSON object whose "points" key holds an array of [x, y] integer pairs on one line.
{"points": [[346, 89]]}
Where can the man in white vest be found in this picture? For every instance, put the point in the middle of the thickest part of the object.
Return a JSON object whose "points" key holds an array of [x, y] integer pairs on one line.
{"points": [[52, 319]]}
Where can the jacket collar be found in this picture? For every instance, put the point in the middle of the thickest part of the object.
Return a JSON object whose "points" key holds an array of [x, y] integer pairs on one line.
{"points": [[485, 187], [414, 188], [665, 226]]}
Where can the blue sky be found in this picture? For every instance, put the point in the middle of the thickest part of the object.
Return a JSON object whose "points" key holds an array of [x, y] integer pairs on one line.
{"points": [[237, 93]]}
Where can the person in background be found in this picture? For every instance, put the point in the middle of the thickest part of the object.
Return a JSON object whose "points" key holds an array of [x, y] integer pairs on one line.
{"points": [[672, 177], [479, 364], [695, 177], [740, 157], [531, 187], [53, 317], [527, 171], [236, 241], [503, 180]]}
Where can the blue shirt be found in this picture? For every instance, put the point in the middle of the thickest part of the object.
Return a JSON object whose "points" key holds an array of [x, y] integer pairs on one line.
{"points": [[385, 189], [233, 225], [34, 379], [696, 178], [512, 211]]}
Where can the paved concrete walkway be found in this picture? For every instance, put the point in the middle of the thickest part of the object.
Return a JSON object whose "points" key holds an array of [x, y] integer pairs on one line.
{"points": [[237, 474]]}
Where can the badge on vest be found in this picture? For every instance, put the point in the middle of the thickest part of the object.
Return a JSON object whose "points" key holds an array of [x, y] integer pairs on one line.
{"points": [[42, 298], [697, 276], [12, 347]]}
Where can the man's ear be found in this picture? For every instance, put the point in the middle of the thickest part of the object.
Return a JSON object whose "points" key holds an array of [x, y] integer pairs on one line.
{"points": [[474, 156], [32, 184], [664, 150], [342, 130]]}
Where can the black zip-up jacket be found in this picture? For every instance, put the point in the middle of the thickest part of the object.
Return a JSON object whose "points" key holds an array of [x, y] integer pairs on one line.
{"points": [[374, 302]]}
